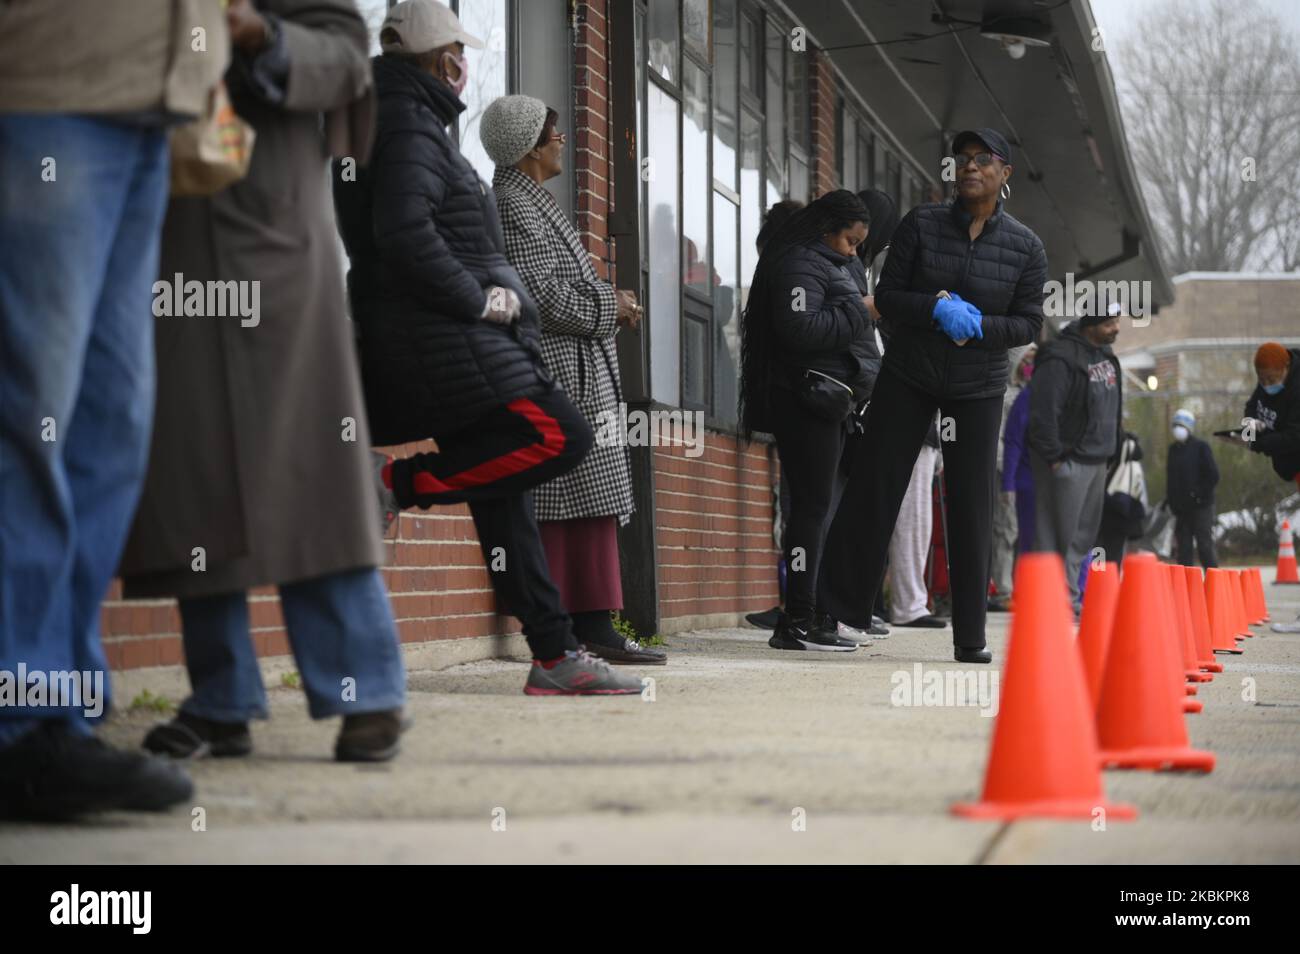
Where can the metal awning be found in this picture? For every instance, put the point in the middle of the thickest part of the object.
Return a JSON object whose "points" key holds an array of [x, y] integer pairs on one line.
{"points": [[1074, 182]]}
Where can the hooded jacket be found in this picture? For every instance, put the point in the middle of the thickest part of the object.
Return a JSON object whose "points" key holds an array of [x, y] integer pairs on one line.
{"points": [[1058, 402], [424, 238], [1279, 415]]}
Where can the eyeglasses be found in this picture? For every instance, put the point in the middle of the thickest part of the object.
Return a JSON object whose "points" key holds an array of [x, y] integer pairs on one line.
{"points": [[981, 159]]}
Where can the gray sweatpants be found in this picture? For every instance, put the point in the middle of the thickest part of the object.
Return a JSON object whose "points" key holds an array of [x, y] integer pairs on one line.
{"points": [[1005, 535], [1068, 512]]}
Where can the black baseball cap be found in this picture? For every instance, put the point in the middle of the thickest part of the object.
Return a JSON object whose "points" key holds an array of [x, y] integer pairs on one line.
{"points": [[991, 139]]}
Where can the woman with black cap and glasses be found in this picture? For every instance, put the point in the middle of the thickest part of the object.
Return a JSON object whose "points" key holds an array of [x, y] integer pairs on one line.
{"points": [[962, 284]]}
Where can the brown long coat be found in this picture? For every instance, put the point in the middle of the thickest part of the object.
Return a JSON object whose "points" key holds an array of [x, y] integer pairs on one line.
{"points": [[251, 459]]}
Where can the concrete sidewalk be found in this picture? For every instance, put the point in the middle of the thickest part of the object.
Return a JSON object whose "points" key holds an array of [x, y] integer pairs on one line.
{"points": [[739, 744]]}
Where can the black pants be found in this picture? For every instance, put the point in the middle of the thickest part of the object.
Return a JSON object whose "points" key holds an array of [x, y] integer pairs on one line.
{"points": [[880, 470], [493, 465], [812, 451], [1112, 538], [1196, 525]]}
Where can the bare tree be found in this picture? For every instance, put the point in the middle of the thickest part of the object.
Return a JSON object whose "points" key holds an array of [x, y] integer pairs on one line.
{"points": [[1210, 92]]}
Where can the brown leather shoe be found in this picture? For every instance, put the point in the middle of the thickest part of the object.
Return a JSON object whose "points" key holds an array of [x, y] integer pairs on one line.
{"points": [[631, 653], [370, 736]]}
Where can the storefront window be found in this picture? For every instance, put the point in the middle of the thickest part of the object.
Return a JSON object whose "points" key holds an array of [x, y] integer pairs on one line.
{"points": [[726, 309], [488, 75], [639, 41], [866, 153], [696, 187], [799, 185], [695, 362], [695, 24], [664, 38], [774, 105], [894, 182], [848, 157], [664, 245], [724, 92], [751, 55], [751, 196], [797, 106], [373, 12]]}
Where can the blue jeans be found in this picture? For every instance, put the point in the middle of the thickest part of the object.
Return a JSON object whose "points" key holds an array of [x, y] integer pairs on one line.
{"points": [[81, 205], [343, 637]]}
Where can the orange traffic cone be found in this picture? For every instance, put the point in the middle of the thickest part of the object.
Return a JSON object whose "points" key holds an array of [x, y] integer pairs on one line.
{"points": [[1095, 623], [1219, 611], [1286, 570], [1253, 617], [1238, 605], [1182, 617], [1043, 761], [1257, 589], [1200, 621], [1140, 722], [1168, 628]]}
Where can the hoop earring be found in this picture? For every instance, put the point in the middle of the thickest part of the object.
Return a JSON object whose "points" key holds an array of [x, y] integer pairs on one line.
{"points": [[1006, 191]]}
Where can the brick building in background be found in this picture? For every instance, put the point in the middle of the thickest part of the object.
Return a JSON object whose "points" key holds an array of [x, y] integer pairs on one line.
{"points": [[1205, 342], [728, 106]]}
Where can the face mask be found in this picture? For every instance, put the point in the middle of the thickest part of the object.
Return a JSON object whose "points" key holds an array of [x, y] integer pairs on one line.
{"points": [[462, 77], [1180, 433], [1273, 388], [1027, 372]]}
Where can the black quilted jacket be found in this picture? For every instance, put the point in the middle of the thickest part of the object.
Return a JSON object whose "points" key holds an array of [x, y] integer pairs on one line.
{"points": [[422, 232], [828, 327], [1002, 273]]}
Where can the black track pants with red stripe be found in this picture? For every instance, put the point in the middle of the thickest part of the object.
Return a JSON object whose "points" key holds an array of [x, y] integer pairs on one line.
{"points": [[492, 465]]}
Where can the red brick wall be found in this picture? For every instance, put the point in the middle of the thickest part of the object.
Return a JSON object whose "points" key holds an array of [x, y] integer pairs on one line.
{"points": [[822, 94], [714, 547], [592, 124], [713, 526]]}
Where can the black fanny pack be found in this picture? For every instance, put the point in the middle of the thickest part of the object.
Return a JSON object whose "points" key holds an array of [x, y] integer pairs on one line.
{"points": [[823, 395]]}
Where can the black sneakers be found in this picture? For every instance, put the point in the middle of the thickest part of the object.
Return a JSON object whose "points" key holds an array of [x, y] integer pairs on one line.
{"points": [[189, 736], [55, 774], [806, 634], [370, 736], [964, 654], [767, 619], [924, 622]]}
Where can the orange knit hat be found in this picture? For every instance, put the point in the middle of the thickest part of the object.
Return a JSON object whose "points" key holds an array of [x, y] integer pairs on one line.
{"points": [[1271, 356]]}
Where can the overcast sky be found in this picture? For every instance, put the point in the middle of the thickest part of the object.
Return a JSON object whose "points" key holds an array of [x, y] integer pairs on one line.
{"points": [[1117, 17]]}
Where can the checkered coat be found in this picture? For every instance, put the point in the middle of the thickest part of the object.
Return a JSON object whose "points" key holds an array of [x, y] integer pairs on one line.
{"points": [[578, 314]]}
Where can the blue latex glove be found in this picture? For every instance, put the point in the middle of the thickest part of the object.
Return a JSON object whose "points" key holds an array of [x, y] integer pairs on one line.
{"points": [[958, 319]]}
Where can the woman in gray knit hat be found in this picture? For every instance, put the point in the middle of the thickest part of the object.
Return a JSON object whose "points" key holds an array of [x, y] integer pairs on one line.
{"points": [[579, 512]]}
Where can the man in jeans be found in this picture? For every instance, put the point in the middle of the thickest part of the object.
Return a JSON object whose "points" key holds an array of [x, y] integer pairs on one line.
{"points": [[84, 153], [1075, 409]]}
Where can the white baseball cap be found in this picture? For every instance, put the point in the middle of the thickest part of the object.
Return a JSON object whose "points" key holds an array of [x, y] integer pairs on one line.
{"points": [[424, 25]]}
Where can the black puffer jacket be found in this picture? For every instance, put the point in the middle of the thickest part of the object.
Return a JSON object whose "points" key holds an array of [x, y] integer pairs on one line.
{"points": [[819, 320], [422, 232], [1001, 273]]}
